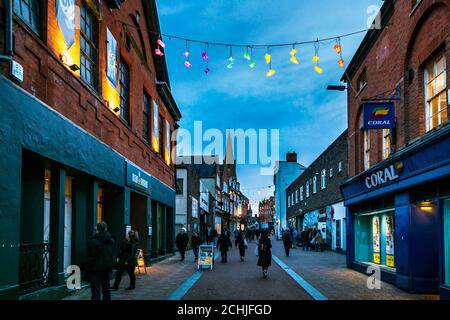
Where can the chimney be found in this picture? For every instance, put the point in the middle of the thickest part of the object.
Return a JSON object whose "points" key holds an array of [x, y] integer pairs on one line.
{"points": [[291, 157]]}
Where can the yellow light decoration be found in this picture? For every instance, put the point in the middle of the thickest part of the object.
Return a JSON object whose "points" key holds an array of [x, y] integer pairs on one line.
{"points": [[293, 52], [318, 69], [316, 58], [337, 48], [341, 63], [270, 73], [268, 58], [294, 60]]}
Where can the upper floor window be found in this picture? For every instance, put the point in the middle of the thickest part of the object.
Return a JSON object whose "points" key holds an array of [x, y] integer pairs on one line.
{"points": [[289, 201], [146, 106], [296, 196], [366, 149], [315, 184], [88, 47], [386, 143], [331, 172], [179, 186], [339, 166], [124, 91], [307, 189], [323, 179], [362, 81], [30, 11], [301, 193], [435, 93], [161, 134]]}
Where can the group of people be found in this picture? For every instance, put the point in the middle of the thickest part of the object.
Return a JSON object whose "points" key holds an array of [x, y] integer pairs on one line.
{"points": [[103, 257], [309, 238], [224, 243]]}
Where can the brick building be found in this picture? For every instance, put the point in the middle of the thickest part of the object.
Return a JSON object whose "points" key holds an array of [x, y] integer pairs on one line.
{"points": [[86, 135], [314, 199], [397, 198], [267, 210]]}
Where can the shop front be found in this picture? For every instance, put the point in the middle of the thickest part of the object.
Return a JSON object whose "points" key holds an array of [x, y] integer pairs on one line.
{"points": [[398, 217]]}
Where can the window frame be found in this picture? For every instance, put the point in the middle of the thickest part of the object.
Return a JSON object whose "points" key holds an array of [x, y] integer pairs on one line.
{"points": [[124, 107], [386, 143], [323, 179], [437, 94], [29, 20], [146, 117], [93, 45], [366, 149]]}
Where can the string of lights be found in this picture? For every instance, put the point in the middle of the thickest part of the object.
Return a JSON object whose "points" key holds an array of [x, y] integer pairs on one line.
{"points": [[249, 48]]}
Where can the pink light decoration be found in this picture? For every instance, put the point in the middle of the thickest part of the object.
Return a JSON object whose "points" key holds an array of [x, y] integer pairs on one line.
{"points": [[186, 54], [187, 64], [161, 43], [205, 56], [207, 70], [158, 52]]}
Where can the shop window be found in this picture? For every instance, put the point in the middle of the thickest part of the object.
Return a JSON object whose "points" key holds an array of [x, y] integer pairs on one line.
{"points": [[447, 241], [88, 47], [374, 239], [146, 103], [100, 205], [386, 143], [30, 11], [366, 149], [435, 93], [124, 91]]}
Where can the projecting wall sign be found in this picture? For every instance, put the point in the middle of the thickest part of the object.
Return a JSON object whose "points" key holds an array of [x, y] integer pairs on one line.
{"points": [[380, 115]]}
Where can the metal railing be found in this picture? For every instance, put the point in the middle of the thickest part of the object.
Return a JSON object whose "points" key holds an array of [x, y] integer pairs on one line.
{"points": [[35, 266]]}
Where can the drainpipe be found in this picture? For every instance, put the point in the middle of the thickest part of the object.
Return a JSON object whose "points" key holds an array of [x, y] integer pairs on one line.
{"points": [[8, 52]]}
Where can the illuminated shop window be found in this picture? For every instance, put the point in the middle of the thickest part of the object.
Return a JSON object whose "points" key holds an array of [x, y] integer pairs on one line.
{"points": [[435, 93]]}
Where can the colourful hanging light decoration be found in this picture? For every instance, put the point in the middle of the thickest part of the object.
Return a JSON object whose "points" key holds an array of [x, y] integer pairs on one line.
{"points": [[252, 63], [316, 58], [270, 73], [161, 44], [186, 54], [247, 56], [230, 59], [338, 49], [267, 56], [293, 55], [206, 58]]}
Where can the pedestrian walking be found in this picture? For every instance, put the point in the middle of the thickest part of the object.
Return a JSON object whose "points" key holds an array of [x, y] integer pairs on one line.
{"points": [[195, 243], [224, 243], [242, 244], [127, 260], [101, 257], [181, 242], [305, 239], [319, 241], [257, 234], [287, 242], [208, 235], [295, 236], [264, 252], [214, 236]]}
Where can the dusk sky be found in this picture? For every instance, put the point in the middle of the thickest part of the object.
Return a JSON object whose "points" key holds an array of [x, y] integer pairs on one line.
{"points": [[295, 100]]}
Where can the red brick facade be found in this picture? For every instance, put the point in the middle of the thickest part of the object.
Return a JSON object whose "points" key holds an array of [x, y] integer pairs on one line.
{"points": [[46, 77], [409, 39]]}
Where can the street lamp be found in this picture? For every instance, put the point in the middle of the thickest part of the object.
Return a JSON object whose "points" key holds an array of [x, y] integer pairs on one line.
{"points": [[336, 88]]}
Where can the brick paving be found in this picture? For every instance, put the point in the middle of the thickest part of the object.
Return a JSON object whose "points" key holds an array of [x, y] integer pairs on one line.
{"points": [[158, 283], [238, 280], [328, 273]]}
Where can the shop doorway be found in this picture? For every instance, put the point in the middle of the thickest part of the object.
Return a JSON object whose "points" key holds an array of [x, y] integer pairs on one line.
{"points": [[138, 218], [68, 224], [447, 242]]}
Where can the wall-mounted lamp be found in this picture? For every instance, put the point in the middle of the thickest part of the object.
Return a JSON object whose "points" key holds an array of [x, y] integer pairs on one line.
{"points": [[67, 60], [111, 106], [426, 206]]}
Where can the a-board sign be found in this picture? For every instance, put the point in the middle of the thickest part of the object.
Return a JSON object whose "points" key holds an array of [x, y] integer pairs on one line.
{"points": [[206, 257], [141, 261]]}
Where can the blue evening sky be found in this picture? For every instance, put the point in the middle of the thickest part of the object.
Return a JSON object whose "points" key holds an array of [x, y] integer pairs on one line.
{"points": [[294, 100]]}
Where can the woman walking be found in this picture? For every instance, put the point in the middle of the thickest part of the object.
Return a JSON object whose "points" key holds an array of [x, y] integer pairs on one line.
{"points": [[264, 252], [241, 243], [195, 243], [127, 260]]}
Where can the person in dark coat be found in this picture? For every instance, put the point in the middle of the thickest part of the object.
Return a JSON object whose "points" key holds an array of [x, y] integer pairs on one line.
{"points": [[257, 234], [101, 258], [305, 239], [127, 260], [181, 242], [240, 243], [224, 243], [287, 242], [264, 252], [195, 243]]}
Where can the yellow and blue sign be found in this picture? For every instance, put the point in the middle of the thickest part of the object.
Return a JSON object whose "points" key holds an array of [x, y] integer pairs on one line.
{"points": [[379, 115]]}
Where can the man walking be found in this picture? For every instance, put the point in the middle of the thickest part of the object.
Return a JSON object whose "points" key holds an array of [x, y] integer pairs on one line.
{"points": [[181, 242], [100, 261], [224, 243], [287, 242]]}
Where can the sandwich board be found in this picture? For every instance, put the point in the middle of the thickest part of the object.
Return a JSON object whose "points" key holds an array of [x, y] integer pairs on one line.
{"points": [[205, 257], [141, 261]]}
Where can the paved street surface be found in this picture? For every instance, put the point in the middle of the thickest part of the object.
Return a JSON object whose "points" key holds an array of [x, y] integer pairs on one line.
{"points": [[324, 273]]}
